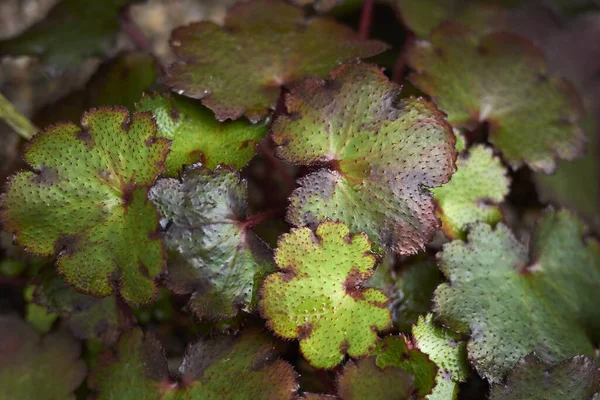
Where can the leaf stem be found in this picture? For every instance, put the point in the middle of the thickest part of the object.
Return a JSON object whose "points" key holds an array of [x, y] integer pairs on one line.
{"points": [[137, 37], [366, 17], [257, 219], [21, 124], [400, 65]]}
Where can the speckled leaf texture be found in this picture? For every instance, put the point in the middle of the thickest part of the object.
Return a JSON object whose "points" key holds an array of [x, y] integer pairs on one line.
{"points": [[364, 380], [379, 153], [479, 184], [501, 79], [447, 351], [318, 294], [531, 379], [72, 31], [32, 368], [86, 201], [224, 368], [238, 69], [212, 254], [513, 301], [198, 137]]}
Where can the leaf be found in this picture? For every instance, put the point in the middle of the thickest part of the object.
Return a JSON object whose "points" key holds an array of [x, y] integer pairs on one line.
{"points": [[410, 290], [380, 151], [198, 137], [86, 201], [394, 351], [17, 121], [72, 31], [87, 317], [321, 6], [318, 294], [31, 366], [501, 79], [447, 351], [512, 304], [37, 316], [478, 185], [238, 69], [118, 81], [365, 381], [531, 379], [212, 254], [224, 368]]}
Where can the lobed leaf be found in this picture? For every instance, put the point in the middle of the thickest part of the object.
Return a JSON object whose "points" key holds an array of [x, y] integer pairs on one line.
{"points": [[86, 201], [318, 295], [531, 379], [478, 185], [198, 137], [380, 151], [31, 366], [238, 69], [212, 254], [501, 79], [512, 304], [223, 368], [446, 349]]}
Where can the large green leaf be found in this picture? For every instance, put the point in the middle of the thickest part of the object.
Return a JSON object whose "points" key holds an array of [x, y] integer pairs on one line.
{"points": [[224, 368], [512, 303], [318, 295], [212, 253], [501, 79], [380, 151], [531, 379], [198, 137], [34, 368], [86, 201], [238, 69], [72, 31]]}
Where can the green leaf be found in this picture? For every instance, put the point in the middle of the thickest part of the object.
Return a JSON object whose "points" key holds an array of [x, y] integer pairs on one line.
{"points": [[364, 380], [531, 379], [224, 368], [501, 79], [87, 317], [17, 121], [447, 351], [478, 185], [119, 81], [212, 253], [410, 289], [512, 304], [380, 151], [37, 316], [86, 201], [32, 368], [394, 351], [318, 295], [238, 69], [72, 31], [198, 137]]}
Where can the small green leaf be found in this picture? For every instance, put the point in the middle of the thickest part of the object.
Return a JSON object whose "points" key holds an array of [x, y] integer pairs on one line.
{"points": [[501, 79], [318, 295], [86, 201], [32, 368], [364, 380], [39, 317], [478, 185], [212, 254], [238, 69], [381, 151], [118, 81], [394, 351], [72, 31], [512, 304], [531, 379], [447, 351], [224, 368], [198, 137]]}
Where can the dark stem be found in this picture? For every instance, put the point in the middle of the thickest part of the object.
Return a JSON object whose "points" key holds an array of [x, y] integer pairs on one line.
{"points": [[137, 37], [366, 17], [257, 219], [400, 65]]}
